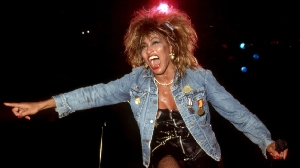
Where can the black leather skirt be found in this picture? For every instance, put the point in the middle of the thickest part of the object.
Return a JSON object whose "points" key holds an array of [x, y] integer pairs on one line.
{"points": [[172, 138]]}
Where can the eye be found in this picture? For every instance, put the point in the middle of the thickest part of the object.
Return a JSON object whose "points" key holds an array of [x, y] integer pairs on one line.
{"points": [[143, 47], [155, 42]]}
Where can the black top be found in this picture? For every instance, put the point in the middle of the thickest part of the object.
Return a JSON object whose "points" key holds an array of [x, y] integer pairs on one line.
{"points": [[171, 137]]}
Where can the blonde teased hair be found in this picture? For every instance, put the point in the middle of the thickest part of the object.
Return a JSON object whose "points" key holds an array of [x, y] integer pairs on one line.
{"points": [[175, 26]]}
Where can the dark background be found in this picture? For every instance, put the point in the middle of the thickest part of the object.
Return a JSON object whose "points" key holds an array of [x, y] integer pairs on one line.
{"points": [[43, 53]]}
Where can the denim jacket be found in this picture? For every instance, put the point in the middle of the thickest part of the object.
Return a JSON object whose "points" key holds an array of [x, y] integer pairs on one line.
{"points": [[140, 90]]}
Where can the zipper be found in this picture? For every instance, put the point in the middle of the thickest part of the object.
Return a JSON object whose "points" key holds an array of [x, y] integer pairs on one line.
{"points": [[183, 151]]}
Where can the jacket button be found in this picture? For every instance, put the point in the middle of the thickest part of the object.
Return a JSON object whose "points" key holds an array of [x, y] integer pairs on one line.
{"points": [[151, 121], [191, 124], [154, 101], [146, 163], [195, 99], [147, 140]]}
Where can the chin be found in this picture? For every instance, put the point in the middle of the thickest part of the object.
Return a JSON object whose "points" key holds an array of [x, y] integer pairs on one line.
{"points": [[158, 71]]}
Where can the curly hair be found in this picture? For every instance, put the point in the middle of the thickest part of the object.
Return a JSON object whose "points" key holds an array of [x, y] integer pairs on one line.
{"points": [[175, 26]]}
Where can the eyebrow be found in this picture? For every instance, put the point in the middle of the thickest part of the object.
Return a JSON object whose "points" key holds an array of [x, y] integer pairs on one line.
{"points": [[151, 37], [155, 36]]}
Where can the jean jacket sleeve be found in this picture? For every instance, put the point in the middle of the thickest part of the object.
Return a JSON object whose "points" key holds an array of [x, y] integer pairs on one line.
{"points": [[231, 109], [93, 96]]}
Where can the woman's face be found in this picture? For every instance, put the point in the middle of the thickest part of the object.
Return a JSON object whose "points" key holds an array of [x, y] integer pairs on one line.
{"points": [[155, 51]]}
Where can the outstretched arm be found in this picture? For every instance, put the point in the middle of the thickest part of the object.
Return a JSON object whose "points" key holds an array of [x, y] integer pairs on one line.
{"points": [[25, 109], [241, 117]]}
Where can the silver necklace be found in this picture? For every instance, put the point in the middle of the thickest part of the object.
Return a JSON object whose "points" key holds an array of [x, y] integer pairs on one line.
{"points": [[164, 84]]}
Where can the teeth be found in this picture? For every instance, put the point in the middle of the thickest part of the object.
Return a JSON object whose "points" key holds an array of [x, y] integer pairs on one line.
{"points": [[153, 57]]}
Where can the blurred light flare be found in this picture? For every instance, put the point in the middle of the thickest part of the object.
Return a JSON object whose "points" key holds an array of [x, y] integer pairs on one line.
{"points": [[244, 69], [274, 42], [242, 46], [256, 56], [231, 57], [163, 7], [224, 46]]}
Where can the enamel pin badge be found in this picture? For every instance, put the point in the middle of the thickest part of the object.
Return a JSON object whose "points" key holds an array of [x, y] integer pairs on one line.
{"points": [[137, 100], [186, 89], [200, 105], [190, 106]]}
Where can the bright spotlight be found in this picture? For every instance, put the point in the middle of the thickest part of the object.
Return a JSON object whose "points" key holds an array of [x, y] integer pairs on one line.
{"points": [[242, 46], [244, 69], [164, 8]]}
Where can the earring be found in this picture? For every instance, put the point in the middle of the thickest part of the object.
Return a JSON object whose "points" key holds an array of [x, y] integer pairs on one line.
{"points": [[172, 56]]}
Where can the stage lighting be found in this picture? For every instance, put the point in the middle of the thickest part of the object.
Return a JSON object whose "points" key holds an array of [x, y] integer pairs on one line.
{"points": [[244, 69], [256, 56], [242, 46], [164, 8]]}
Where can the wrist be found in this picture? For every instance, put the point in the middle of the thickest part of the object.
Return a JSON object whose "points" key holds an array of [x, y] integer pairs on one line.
{"points": [[50, 103]]}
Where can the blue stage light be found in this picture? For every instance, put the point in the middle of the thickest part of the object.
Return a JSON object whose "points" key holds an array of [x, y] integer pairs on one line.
{"points": [[242, 46], [256, 56], [244, 69]]}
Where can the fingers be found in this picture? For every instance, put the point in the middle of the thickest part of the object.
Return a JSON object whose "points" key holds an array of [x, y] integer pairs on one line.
{"points": [[8, 104], [15, 110], [23, 114], [275, 154], [17, 107], [20, 115], [272, 151], [284, 154], [20, 110], [12, 104]]}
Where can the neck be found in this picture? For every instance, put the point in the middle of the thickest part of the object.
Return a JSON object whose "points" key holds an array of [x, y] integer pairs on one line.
{"points": [[166, 77]]}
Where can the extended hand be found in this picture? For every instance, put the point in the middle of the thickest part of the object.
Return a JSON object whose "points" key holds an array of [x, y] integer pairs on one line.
{"points": [[29, 108], [24, 109], [281, 154]]}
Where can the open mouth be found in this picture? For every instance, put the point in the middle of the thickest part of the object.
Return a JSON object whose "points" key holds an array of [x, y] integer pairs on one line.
{"points": [[154, 62]]}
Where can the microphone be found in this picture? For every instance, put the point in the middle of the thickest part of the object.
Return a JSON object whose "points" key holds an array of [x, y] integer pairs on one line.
{"points": [[280, 145]]}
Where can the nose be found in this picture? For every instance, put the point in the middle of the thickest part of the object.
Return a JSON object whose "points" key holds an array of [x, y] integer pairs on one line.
{"points": [[149, 50]]}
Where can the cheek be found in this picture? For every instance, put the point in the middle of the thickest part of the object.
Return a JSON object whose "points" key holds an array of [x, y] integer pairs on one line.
{"points": [[165, 52], [143, 55], [165, 49]]}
